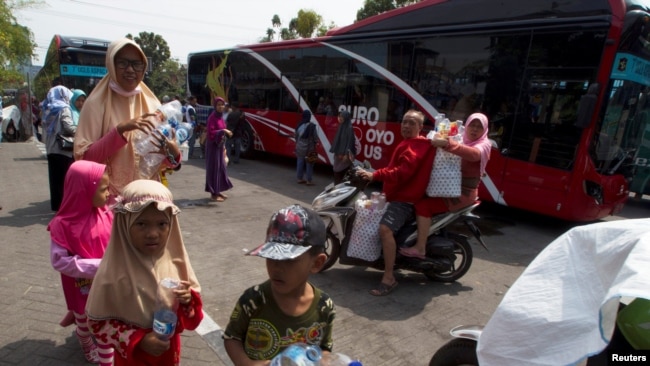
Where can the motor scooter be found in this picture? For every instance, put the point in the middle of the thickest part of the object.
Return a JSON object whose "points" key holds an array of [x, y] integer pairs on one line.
{"points": [[448, 253]]}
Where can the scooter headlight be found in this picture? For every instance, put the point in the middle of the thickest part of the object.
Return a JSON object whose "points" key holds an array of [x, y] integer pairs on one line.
{"points": [[331, 198]]}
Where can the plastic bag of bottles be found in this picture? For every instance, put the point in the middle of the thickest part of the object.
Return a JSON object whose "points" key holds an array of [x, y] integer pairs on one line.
{"points": [[301, 354], [168, 115]]}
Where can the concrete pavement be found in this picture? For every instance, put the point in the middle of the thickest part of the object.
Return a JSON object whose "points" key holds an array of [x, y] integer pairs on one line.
{"points": [[31, 299], [216, 236]]}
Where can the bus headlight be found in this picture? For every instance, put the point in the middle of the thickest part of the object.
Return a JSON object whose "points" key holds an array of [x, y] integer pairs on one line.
{"points": [[594, 190]]}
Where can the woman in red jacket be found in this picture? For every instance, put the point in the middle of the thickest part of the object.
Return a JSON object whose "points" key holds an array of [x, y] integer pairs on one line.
{"points": [[475, 153]]}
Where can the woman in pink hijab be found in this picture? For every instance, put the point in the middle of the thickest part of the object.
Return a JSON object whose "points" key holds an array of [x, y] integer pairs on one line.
{"points": [[475, 154], [79, 233]]}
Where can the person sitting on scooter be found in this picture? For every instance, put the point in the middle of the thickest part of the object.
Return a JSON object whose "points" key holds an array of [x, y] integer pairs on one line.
{"points": [[475, 153], [405, 181]]}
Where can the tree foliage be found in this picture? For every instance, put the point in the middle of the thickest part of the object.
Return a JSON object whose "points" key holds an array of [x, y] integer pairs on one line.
{"points": [[306, 24], [375, 7], [16, 41], [170, 79]]}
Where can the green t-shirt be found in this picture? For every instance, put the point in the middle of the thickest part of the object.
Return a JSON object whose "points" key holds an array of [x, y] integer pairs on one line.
{"points": [[265, 330]]}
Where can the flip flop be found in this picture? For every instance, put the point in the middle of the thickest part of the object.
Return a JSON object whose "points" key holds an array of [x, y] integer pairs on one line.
{"points": [[411, 252], [383, 289], [217, 199]]}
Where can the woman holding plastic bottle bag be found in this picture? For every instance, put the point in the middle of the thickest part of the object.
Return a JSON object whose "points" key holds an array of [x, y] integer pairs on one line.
{"points": [[119, 106], [474, 151]]}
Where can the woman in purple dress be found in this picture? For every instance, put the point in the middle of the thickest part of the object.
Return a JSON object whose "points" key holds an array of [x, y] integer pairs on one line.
{"points": [[216, 174]]}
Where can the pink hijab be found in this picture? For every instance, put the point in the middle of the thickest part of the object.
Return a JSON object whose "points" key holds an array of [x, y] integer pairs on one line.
{"points": [[482, 143], [215, 120], [78, 226]]}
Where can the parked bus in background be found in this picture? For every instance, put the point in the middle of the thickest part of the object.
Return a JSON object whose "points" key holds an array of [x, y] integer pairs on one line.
{"points": [[561, 83], [75, 62]]}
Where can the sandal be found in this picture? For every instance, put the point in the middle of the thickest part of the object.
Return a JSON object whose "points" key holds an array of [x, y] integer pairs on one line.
{"points": [[411, 252], [309, 183], [383, 289], [302, 181], [223, 196]]}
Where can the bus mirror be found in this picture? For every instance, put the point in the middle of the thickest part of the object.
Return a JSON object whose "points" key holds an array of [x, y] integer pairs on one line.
{"points": [[587, 106]]}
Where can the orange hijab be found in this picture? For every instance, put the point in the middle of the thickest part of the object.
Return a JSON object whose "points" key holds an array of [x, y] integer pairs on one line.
{"points": [[105, 108]]}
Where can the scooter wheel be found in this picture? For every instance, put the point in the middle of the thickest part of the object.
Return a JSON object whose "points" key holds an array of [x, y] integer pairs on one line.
{"points": [[332, 250], [457, 352]]}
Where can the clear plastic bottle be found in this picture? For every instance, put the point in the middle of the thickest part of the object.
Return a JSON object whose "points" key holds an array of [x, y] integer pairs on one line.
{"points": [[168, 117], [298, 354], [382, 201], [164, 317]]}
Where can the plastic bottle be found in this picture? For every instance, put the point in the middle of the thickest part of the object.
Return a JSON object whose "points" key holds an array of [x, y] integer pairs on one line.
{"points": [[298, 354], [164, 317], [382, 201], [339, 359], [167, 117]]}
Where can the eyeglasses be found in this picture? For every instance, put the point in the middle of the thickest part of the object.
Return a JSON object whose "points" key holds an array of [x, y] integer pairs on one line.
{"points": [[124, 64]]}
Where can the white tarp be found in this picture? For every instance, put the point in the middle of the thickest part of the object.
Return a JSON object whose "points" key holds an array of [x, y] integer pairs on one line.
{"points": [[10, 113], [563, 307]]}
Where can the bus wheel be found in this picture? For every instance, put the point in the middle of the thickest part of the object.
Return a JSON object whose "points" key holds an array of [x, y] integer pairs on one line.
{"points": [[247, 142]]}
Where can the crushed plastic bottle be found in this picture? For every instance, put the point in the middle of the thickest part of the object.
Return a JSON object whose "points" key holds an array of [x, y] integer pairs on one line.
{"points": [[168, 117], [145, 145], [298, 354]]}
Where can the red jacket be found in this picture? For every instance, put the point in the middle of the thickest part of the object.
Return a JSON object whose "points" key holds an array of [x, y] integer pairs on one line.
{"points": [[407, 175]]}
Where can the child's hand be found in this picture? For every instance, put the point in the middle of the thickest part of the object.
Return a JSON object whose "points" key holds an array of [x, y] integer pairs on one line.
{"points": [[183, 293], [153, 345]]}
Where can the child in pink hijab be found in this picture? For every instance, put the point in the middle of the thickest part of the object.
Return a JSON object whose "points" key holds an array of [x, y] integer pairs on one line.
{"points": [[80, 232], [475, 154]]}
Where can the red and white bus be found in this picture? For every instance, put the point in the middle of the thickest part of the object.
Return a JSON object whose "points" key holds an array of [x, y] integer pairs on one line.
{"points": [[561, 82]]}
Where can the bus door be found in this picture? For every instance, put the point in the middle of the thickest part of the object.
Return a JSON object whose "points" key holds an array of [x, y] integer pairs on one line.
{"points": [[540, 144]]}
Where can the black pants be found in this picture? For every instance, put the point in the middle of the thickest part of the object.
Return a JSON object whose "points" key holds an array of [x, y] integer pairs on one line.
{"points": [[57, 167]]}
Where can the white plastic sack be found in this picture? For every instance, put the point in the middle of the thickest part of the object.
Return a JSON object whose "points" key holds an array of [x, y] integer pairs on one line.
{"points": [[563, 307], [446, 177], [364, 240]]}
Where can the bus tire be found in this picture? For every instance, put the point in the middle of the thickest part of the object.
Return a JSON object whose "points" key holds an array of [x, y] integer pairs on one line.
{"points": [[247, 142]]}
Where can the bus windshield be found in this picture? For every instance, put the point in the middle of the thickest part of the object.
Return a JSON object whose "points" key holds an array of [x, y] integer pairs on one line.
{"points": [[73, 62]]}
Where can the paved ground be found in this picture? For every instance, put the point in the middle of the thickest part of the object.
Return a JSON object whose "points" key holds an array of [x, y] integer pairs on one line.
{"points": [[31, 300], [402, 329]]}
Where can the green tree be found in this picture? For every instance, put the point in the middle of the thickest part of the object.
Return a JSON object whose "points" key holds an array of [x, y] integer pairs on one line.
{"points": [[307, 23], [170, 79], [323, 29], [16, 42], [277, 23], [374, 7]]}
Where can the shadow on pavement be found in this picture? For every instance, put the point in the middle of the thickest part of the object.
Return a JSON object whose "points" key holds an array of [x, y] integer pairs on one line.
{"points": [[42, 352], [35, 213], [411, 296]]}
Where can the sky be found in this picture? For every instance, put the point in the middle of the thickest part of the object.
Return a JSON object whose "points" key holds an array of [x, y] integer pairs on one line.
{"points": [[187, 25]]}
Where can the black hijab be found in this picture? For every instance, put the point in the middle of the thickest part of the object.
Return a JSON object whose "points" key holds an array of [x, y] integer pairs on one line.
{"points": [[344, 139]]}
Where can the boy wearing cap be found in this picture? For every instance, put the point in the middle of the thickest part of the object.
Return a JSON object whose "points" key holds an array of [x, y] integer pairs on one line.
{"points": [[286, 309]]}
